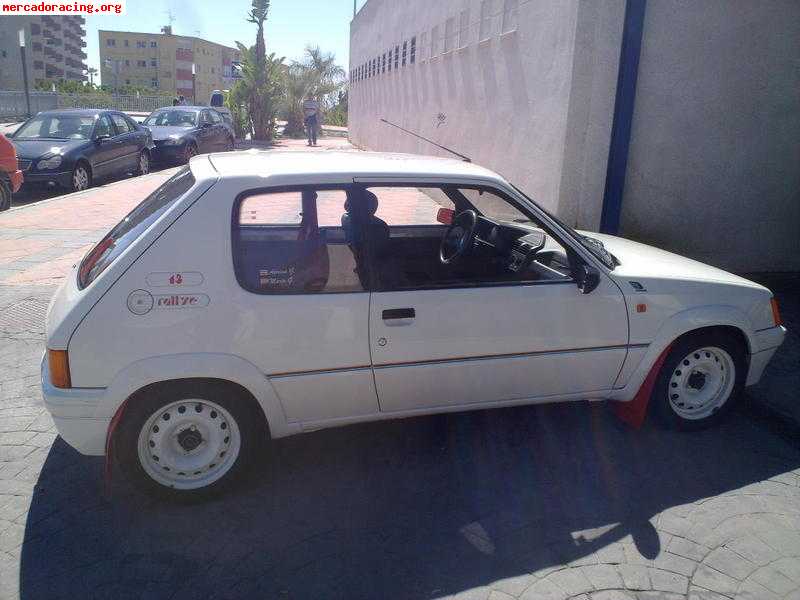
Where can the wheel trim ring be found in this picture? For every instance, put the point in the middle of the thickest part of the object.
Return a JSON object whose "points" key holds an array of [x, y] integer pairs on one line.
{"points": [[80, 179], [719, 374], [169, 450], [144, 164]]}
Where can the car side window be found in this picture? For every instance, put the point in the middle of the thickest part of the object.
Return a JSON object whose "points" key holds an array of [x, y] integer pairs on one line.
{"points": [[296, 242], [103, 127], [120, 123], [205, 117], [411, 239], [215, 118]]}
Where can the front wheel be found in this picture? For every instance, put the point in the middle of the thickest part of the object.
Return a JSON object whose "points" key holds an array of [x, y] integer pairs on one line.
{"points": [[143, 165], [187, 441], [189, 152], [700, 381], [5, 195], [81, 178]]}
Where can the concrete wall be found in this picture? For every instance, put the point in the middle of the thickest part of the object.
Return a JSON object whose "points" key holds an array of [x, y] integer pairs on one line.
{"points": [[532, 104], [714, 167]]}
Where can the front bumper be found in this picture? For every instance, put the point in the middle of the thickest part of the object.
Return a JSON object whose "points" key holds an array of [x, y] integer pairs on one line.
{"points": [[62, 178], [73, 411], [163, 153], [765, 343]]}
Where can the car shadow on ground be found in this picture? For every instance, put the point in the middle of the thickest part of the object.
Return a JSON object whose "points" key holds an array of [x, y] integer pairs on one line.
{"points": [[416, 508]]}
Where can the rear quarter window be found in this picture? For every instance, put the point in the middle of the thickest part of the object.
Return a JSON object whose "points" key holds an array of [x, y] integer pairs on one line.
{"points": [[132, 226]]}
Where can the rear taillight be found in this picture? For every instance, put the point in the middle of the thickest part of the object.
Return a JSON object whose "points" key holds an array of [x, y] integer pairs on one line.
{"points": [[90, 260], [776, 314], [58, 362]]}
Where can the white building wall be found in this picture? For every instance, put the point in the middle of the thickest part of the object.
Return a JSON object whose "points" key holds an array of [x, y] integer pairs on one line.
{"points": [[526, 91]]}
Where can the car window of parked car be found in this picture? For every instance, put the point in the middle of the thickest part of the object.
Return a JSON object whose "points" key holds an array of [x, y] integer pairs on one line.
{"points": [[132, 226], [172, 118], [60, 127], [104, 127], [294, 242], [120, 123], [409, 223], [215, 118]]}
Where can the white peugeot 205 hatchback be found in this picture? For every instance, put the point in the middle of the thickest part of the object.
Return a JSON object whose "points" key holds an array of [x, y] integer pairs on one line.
{"points": [[257, 295]]}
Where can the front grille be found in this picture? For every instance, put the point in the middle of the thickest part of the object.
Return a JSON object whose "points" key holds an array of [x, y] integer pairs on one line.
{"points": [[23, 164]]}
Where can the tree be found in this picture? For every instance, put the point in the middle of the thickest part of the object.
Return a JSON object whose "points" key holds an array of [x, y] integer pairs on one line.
{"points": [[92, 72], [255, 71], [317, 75], [255, 99]]}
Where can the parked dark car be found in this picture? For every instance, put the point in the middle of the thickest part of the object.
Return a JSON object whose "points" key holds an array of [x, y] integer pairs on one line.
{"points": [[181, 132], [74, 148]]}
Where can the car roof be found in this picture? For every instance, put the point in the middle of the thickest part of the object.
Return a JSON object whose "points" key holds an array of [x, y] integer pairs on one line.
{"points": [[181, 107], [82, 112], [343, 162]]}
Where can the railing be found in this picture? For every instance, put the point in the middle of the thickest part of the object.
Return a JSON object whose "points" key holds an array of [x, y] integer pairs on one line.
{"points": [[12, 104]]}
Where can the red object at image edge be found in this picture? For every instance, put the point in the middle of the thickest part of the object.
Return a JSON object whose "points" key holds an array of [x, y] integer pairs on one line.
{"points": [[110, 446], [634, 412]]}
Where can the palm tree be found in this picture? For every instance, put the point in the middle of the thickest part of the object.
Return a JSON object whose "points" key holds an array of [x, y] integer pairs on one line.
{"points": [[255, 99], [92, 72], [258, 74], [317, 75]]}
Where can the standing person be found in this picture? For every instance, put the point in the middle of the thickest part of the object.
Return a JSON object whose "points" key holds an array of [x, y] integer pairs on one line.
{"points": [[312, 118], [181, 100], [175, 101]]}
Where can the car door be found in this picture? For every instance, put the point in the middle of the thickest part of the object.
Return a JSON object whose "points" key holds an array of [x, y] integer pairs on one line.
{"points": [[127, 143], [106, 151], [480, 333], [302, 310], [220, 132], [206, 137]]}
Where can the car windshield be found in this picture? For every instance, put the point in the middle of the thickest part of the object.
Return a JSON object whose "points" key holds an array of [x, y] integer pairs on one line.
{"points": [[172, 118], [593, 245], [57, 127], [132, 226]]}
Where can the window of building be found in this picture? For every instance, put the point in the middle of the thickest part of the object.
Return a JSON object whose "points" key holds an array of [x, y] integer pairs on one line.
{"points": [[212, 70], [405, 50], [449, 35], [396, 56], [434, 41], [126, 43], [141, 44], [413, 54], [141, 63], [383, 63], [485, 27], [111, 42], [423, 42], [127, 62], [127, 82], [153, 62], [463, 29], [389, 62], [154, 44], [297, 242], [154, 82], [510, 10]]}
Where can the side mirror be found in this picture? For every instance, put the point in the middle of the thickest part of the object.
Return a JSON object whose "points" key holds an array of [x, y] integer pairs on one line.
{"points": [[587, 278], [101, 138]]}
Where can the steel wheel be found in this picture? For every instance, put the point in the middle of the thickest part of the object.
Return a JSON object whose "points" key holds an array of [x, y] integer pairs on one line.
{"points": [[189, 444], [144, 163], [701, 383], [80, 178]]}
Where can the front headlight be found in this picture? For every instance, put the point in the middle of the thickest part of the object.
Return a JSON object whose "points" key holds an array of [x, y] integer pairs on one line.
{"points": [[171, 141], [49, 163]]}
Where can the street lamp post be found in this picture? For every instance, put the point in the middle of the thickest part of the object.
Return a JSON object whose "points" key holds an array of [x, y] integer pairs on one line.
{"points": [[194, 84], [24, 71]]}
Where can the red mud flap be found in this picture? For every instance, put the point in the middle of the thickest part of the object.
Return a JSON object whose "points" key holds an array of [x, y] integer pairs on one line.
{"points": [[634, 412], [112, 427]]}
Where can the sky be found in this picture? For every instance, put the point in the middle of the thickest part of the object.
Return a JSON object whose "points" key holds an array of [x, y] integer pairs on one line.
{"points": [[291, 24]]}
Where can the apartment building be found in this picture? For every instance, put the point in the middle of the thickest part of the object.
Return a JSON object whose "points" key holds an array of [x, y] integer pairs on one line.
{"points": [[164, 61], [54, 49]]}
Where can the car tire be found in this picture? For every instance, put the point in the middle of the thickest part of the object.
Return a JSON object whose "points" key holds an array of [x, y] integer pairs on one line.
{"points": [[5, 195], [230, 145], [188, 440], [189, 152], [81, 178], [700, 381], [143, 164]]}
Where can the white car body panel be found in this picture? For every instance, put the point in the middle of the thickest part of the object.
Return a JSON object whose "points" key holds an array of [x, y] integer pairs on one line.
{"points": [[316, 360]]}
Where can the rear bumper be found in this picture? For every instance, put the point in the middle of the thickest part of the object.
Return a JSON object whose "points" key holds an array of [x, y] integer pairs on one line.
{"points": [[766, 342], [73, 412]]}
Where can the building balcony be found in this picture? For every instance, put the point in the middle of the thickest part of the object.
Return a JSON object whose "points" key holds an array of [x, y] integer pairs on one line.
{"points": [[47, 33], [37, 46]]}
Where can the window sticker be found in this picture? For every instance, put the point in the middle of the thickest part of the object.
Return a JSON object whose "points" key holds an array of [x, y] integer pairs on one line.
{"points": [[276, 277]]}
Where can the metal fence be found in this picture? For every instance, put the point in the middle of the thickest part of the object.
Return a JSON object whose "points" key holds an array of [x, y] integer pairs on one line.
{"points": [[12, 104]]}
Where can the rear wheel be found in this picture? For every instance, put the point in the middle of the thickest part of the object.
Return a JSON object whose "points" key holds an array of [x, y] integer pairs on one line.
{"points": [[143, 166], [5, 195], [700, 380], [81, 178], [188, 440], [230, 144]]}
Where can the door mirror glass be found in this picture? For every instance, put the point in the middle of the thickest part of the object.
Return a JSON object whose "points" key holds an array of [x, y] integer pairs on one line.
{"points": [[587, 278]]}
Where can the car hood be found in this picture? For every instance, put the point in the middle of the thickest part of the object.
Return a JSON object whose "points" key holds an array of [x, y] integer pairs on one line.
{"points": [[162, 132], [642, 261], [33, 149]]}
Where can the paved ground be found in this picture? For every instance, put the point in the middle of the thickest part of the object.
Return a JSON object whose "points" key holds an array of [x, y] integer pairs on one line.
{"points": [[546, 502]]}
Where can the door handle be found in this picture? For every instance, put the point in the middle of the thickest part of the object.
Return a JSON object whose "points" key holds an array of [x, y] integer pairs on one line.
{"points": [[398, 313]]}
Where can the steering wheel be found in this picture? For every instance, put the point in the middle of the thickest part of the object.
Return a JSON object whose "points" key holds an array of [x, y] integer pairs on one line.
{"points": [[459, 237]]}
